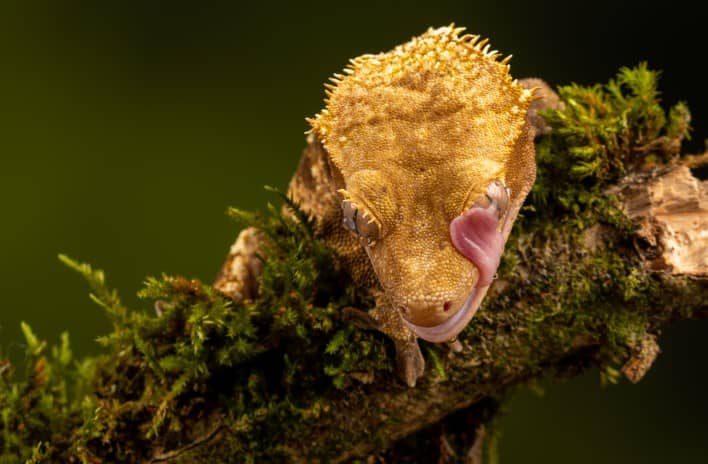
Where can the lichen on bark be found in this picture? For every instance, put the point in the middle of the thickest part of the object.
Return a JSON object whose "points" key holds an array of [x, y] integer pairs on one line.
{"points": [[199, 378]]}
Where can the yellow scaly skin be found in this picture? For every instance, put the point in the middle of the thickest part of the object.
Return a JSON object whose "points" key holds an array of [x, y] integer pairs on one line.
{"points": [[410, 140]]}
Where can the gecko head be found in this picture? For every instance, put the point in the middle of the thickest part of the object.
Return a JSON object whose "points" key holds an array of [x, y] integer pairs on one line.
{"points": [[425, 138], [435, 268]]}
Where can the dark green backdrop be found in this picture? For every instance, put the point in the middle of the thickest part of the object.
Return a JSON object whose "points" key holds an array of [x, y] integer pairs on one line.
{"points": [[127, 128]]}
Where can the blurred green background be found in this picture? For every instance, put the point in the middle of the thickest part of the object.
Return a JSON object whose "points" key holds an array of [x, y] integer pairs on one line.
{"points": [[128, 127]]}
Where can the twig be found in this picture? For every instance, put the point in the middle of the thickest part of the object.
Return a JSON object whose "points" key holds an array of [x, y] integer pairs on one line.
{"points": [[166, 456]]}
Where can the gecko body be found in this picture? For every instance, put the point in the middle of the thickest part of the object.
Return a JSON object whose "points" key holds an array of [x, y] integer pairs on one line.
{"points": [[415, 172]]}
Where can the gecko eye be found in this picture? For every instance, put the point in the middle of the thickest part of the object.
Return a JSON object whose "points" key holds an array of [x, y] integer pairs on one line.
{"points": [[360, 222], [496, 196]]}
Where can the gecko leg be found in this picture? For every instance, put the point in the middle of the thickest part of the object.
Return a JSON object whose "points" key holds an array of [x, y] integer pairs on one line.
{"points": [[409, 359], [547, 99]]}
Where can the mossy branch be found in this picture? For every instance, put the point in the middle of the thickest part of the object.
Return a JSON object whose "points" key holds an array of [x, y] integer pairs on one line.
{"points": [[587, 278]]}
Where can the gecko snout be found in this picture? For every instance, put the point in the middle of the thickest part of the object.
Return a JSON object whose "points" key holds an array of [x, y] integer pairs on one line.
{"points": [[429, 313], [443, 321]]}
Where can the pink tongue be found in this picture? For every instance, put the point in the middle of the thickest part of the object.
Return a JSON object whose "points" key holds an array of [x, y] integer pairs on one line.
{"points": [[475, 235]]}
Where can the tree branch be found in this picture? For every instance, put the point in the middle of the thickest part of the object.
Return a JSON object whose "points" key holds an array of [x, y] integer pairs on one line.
{"points": [[611, 247]]}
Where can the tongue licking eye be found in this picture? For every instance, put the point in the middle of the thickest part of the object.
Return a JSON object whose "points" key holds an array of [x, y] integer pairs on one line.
{"points": [[476, 233]]}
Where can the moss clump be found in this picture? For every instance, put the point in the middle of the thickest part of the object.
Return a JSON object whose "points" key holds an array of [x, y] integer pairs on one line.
{"points": [[198, 360], [255, 373], [595, 295], [51, 401], [602, 132]]}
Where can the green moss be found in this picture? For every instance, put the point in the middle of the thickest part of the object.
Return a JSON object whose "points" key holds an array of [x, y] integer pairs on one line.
{"points": [[49, 403], [274, 366], [602, 132], [256, 365]]}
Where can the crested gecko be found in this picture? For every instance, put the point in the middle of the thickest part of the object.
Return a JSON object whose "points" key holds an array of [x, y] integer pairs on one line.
{"points": [[415, 172]]}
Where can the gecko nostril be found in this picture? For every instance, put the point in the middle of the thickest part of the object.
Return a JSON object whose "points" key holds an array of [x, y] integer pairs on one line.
{"points": [[447, 305]]}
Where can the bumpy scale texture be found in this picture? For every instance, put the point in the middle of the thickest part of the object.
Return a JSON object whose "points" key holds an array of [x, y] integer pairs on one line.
{"points": [[414, 145]]}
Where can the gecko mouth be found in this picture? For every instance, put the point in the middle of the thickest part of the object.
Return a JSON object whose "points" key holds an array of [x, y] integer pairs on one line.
{"points": [[476, 236], [450, 328]]}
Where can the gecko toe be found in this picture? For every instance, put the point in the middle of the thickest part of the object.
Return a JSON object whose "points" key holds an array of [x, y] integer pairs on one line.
{"points": [[454, 345], [409, 361], [360, 319]]}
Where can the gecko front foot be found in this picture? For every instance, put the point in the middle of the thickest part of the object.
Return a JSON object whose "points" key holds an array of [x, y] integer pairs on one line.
{"points": [[410, 364], [360, 319]]}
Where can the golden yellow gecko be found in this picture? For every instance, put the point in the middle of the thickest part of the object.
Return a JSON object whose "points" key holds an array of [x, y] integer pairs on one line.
{"points": [[415, 172]]}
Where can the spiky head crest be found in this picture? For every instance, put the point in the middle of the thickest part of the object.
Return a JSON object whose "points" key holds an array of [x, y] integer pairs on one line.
{"points": [[440, 74]]}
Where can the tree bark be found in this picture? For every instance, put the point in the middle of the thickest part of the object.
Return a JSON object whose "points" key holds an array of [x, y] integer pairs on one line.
{"points": [[670, 209], [518, 335], [611, 247]]}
